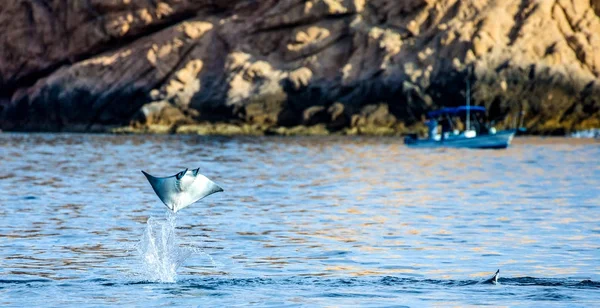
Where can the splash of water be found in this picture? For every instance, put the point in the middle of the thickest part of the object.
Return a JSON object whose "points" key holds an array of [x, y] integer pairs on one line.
{"points": [[159, 250]]}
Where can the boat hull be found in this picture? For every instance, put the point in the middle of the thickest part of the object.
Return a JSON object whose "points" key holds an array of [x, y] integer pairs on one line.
{"points": [[499, 140]]}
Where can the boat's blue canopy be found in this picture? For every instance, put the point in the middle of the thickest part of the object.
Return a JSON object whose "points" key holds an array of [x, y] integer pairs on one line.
{"points": [[456, 111]]}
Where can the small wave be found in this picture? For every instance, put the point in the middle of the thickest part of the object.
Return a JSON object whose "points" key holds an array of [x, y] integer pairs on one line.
{"points": [[550, 282], [24, 281], [549, 294], [212, 282], [215, 282]]}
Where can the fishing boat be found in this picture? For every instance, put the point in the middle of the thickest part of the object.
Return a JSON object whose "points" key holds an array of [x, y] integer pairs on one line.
{"points": [[478, 134]]}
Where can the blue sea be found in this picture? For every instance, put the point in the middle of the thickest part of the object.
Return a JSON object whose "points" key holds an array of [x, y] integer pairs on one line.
{"points": [[303, 221]]}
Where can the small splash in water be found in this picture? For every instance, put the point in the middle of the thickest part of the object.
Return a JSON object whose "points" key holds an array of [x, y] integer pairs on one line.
{"points": [[159, 250]]}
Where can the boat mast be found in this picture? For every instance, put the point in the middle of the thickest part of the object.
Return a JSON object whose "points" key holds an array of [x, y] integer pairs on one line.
{"points": [[468, 95]]}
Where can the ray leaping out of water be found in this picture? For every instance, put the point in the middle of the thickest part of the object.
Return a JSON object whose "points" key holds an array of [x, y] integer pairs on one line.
{"points": [[494, 279], [182, 189]]}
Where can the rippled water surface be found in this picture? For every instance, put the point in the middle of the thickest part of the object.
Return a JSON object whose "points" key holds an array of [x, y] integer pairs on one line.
{"points": [[303, 221]]}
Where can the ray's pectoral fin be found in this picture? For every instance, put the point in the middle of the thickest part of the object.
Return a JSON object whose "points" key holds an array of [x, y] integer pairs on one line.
{"points": [[165, 188]]}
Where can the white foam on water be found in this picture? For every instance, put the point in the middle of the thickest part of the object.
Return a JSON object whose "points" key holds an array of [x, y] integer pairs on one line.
{"points": [[159, 252]]}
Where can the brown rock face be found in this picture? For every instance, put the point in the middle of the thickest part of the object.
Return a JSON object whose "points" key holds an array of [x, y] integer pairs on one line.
{"points": [[67, 65]]}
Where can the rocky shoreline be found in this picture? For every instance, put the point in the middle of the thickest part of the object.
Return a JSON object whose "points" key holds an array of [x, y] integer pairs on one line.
{"points": [[226, 129], [295, 67]]}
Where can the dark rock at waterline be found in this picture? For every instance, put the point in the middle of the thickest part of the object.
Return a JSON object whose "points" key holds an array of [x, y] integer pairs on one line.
{"points": [[278, 65]]}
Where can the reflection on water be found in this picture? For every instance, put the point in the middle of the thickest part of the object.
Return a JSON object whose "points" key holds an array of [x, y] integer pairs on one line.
{"points": [[343, 220]]}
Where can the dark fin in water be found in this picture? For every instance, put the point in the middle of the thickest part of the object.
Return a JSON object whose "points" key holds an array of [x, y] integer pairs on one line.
{"points": [[493, 280]]}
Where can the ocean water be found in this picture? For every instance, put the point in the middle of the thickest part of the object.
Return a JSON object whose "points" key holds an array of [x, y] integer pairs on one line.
{"points": [[310, 221]]}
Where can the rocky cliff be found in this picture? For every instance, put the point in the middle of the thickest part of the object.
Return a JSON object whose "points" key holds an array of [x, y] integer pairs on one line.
{"points": [[249, 66]]}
